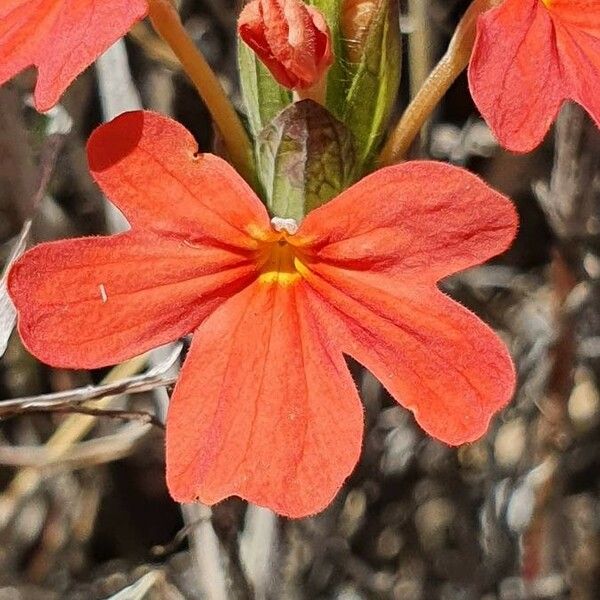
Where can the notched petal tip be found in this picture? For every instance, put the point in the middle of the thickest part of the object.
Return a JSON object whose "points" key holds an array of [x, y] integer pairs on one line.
{"points": [[472, 425], [48, 35]]}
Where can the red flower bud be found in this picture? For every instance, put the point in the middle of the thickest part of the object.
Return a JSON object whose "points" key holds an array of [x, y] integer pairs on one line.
{"points": [[290, 38]]}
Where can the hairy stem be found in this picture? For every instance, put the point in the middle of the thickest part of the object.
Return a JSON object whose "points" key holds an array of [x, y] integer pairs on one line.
{"points": [[450, 66], [165, 20]]}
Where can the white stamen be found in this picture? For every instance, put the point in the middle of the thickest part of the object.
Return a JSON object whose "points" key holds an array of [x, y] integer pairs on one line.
{"points": [[103, 294], [281, 225]]}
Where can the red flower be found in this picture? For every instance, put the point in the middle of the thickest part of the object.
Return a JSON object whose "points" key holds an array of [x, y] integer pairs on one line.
{"points": [[265, 407], [529, 57], [61, 38], [291, 38]]}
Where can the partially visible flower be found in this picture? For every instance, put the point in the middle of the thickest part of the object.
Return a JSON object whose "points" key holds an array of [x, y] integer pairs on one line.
{"points": [[265, 407], [61, 38], [529, 57], [290, 38]]}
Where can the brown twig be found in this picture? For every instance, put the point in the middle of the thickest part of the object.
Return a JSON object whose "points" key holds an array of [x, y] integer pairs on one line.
{"points": [[140, 416], [152, 379], [444, 74], [154, 47], [178, 539], [95, 451], [570, 203]]}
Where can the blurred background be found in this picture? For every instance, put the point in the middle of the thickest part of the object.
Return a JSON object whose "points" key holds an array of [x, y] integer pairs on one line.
{"points": [[84, 512]]}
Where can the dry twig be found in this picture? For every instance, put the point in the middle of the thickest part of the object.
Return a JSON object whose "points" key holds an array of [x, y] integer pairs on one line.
{"points": [[155, 377]]}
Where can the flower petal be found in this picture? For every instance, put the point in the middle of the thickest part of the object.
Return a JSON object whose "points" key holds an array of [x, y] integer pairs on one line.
{"points": [[433, 356], [149, 166], [579, 50], [265, 408], [515, 73], [583, 14], [418, 221], [92, 302], [253, 32], [61, 38], [23, 23]]}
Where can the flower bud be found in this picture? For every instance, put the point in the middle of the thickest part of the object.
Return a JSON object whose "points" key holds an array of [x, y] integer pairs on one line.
{"points": [[290, 38], [357, 17], [370, 31]]}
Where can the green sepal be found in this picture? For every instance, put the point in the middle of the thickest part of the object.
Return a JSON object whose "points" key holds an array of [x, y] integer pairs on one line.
{"points": [[374, 82], [263, 97], [305, 157]]}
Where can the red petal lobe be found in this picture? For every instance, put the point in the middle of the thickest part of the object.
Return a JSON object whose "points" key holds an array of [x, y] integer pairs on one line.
{"points": [[579, 48], [433, 356], [418, 221], [372, 258], [515, 73], [61, 38], [265, 408], [149, 166], [92, 302]]}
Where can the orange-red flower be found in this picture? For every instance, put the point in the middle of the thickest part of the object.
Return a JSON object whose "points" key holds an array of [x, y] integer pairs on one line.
{"points": [[61, 38], [529, 57], [291, 38], [265, 407]]}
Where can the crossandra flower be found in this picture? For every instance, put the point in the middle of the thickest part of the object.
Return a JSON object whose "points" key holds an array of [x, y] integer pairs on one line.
{"points": [[61, 38], [291, 38], [265, 407], [529, 57]]}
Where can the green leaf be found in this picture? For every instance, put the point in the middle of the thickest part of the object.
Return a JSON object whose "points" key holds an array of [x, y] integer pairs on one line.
{"points": [[374, 82], [337, 78], [305, 158], [263, 96]]}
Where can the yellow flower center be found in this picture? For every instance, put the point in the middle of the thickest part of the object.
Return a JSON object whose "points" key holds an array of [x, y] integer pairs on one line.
{"points": [[278, 253], [281, 265]]}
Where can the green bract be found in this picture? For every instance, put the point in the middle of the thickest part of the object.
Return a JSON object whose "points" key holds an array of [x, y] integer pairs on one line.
{"points": [[305, 158], [263, 96], [307, 153], [375, 81], [337, 78]]}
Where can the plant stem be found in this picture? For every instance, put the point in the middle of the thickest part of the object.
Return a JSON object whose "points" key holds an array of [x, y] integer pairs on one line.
{"points": [[450, 66], [165, 20], [317, 93]]}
